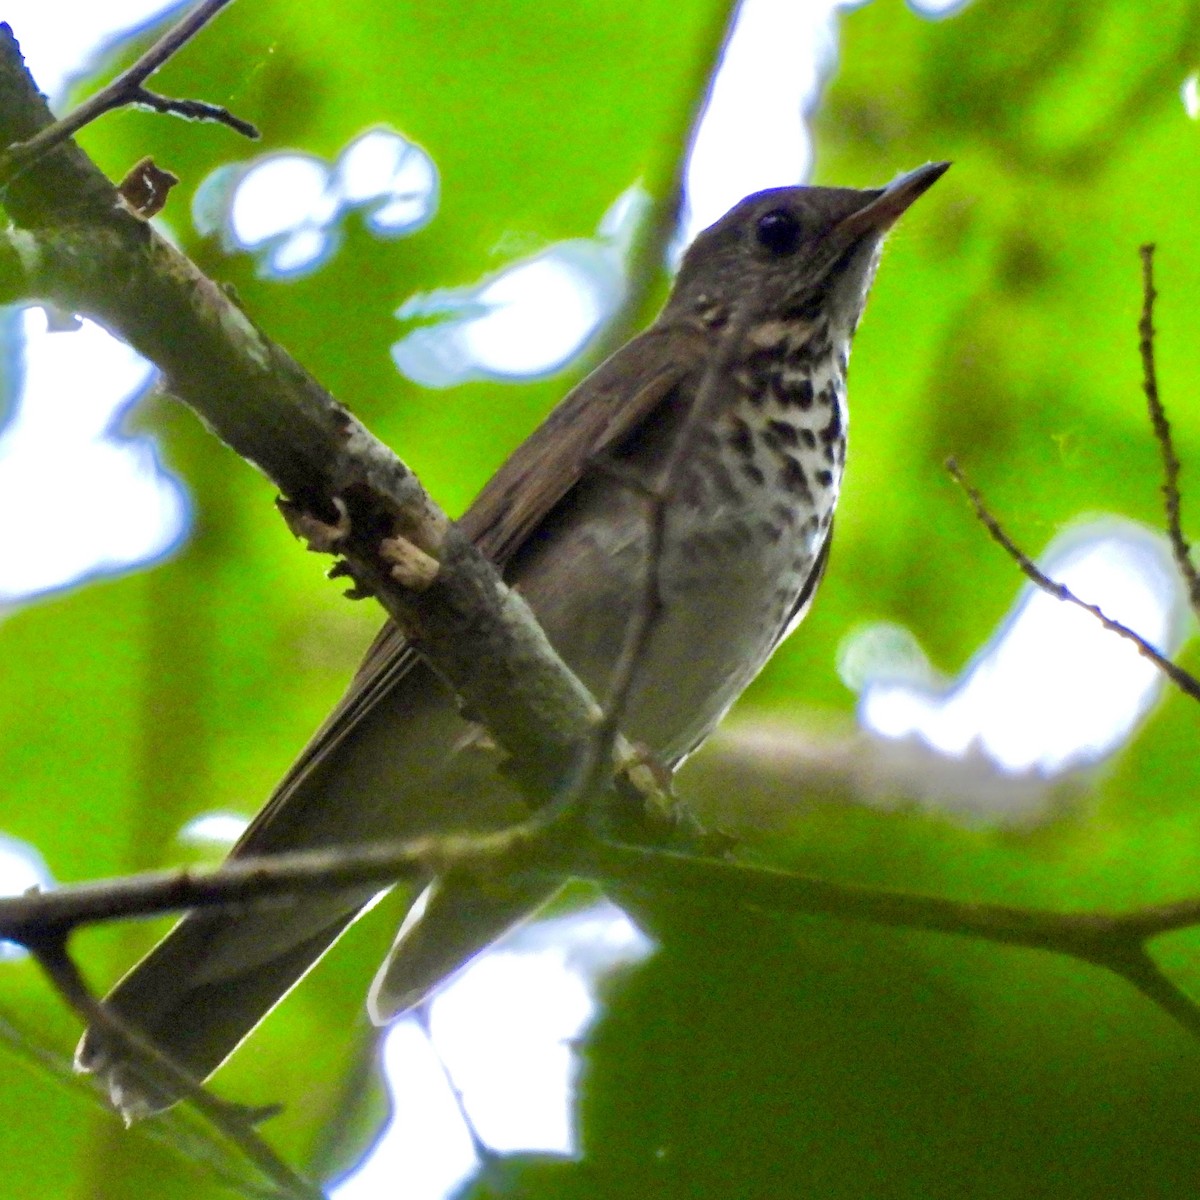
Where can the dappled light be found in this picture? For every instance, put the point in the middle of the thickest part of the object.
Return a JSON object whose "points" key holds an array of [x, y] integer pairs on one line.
{"points": [[93, 497], [216, 829], [59, 49], [286, 209], [1189, 93], [753, 134], [1053, 690], [449, 206], [505, 1035], [531, 318], [22, 868]]}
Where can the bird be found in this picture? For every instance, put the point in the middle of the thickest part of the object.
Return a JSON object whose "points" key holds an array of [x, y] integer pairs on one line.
{"points": [[758, 324]]}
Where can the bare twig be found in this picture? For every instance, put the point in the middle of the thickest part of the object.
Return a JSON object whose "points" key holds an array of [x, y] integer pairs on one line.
{"points": [[483, 1152], [1186, 682], [646, 261], [658, 493], [193, 110], [233, 1121], [1114, 941], [127, 89], [195, 1143], [277, 878], [646, 612], [1139, 969], [1162, 433], [1095, 936]]}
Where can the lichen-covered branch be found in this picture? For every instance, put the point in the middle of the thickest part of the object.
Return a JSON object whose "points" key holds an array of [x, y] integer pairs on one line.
{"points": [[73, 244]]}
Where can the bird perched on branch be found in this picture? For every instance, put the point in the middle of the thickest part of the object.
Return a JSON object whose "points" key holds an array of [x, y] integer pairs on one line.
{"points": [[732, 408]]}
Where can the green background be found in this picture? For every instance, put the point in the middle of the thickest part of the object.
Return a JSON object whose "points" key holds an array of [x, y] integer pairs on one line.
{"points": [[749, 1057]]}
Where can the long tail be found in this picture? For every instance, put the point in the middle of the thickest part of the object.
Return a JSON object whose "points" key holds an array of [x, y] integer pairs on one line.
{"points": [[195, 1014], [406, 766]]}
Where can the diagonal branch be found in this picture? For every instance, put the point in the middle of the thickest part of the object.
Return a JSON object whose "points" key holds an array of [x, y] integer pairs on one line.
{"points": [[657, 495], [195, 1144], [344, 490], [127, 89], [666, 187], [1183, 680], [1115, 942], [233, 1121], [275, 879], [1139, 969], [645, 263]]}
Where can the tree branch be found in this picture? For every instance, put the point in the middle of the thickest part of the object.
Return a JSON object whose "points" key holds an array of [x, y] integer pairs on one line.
{"points": [[127, 89], [343, 488], [657, 495], [36, 916], [349, 495], [233, 1121], [1183, 680], [542, 852], [647, 256]]}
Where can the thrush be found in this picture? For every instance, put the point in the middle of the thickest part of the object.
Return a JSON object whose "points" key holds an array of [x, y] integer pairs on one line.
{"points": [[776, 288]]}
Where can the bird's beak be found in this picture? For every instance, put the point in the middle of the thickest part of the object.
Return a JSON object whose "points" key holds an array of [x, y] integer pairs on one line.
{"points": [[892, 201]]}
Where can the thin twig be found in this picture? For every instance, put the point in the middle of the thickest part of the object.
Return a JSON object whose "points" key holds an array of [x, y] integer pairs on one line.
{"points": [[661, 493], [1187, 683], [507, 672], [193, 110], [1139, 969], [646, 613], [194, 1142], [1162, 433], [486, 1155], [127, 89], [658, 494], [646, 261], [272, 879], [232, 1120], [1114, 941]]}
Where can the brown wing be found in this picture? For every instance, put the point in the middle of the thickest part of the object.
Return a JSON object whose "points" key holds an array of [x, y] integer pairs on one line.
{"points": [[608, 405]]}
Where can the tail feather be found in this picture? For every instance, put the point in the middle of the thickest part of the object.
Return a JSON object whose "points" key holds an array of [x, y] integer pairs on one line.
{"points": [[398, 762], [163, 994], [451, 924]]}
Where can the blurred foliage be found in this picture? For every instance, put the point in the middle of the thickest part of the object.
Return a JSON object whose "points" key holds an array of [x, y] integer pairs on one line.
{"points": [[750, 1057]]}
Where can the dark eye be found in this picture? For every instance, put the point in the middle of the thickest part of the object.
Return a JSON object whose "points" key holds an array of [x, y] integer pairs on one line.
{"points": [[778, 231]]}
